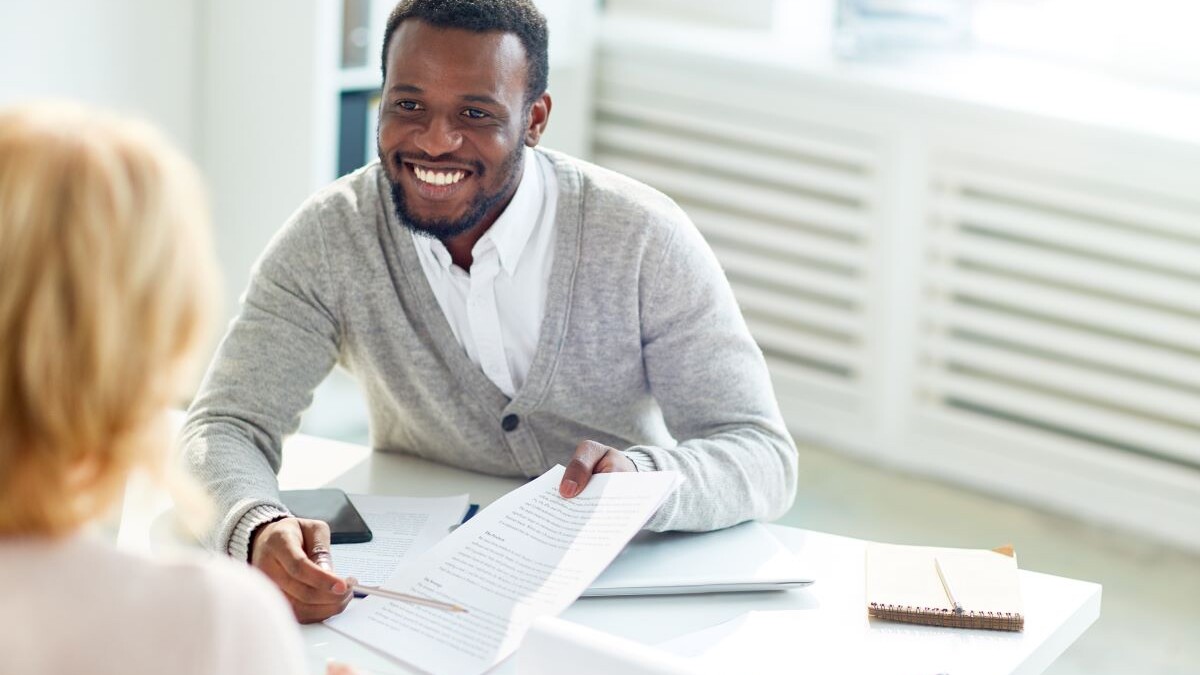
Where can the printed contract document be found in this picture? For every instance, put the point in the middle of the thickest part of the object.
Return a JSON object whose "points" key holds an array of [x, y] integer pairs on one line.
{"points": [[403, 527], [530, 554]]}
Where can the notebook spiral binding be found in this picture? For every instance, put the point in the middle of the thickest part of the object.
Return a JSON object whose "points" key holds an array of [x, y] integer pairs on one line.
{"points": [[937, 616]]}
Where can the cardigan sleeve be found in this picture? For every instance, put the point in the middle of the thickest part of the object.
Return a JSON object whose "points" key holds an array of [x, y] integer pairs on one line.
{"points": [[282, 344], [711, 381]]}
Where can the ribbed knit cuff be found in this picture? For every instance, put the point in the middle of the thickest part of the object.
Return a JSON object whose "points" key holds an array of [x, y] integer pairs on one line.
{"points": [[641, 460], [239, 542]]}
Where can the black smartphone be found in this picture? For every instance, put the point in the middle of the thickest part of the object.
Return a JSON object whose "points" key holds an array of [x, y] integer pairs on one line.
{"points": [[346, 524]]}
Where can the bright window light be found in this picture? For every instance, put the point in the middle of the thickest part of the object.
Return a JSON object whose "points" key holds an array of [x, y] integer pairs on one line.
{"points": [[1147, 39]]}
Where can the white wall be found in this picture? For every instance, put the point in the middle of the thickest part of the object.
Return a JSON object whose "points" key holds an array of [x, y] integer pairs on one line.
{"points": [[572, 25], [137, 56], [268, 105], [243, 88]]}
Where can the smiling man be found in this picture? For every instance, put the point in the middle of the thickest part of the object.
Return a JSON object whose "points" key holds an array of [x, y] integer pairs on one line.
{"points": [[505, 309]]}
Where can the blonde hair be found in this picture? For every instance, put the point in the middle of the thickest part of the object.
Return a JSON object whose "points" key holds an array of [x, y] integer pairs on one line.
{"points": [[105, 298]]}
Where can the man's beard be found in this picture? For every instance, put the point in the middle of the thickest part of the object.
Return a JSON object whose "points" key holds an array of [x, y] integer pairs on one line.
{"points": [[446, 228]]}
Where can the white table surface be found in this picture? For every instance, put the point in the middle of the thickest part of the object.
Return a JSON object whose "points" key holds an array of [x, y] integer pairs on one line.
{"points": [[1057, 610]]}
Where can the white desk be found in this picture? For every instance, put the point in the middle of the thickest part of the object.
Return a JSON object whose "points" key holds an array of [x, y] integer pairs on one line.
{"points": [[1057, 610]]}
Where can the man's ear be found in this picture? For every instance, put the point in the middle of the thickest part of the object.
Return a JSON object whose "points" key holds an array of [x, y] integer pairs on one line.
{"points": [[539, 115]]}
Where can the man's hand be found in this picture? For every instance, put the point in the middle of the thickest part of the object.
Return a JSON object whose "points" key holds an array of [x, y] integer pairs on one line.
{"points": [[591, 457], [294, 553]]}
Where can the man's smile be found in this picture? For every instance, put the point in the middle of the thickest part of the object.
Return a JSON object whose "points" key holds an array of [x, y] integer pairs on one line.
{"points": [[438, 177], [445, 195], [437, 182]]}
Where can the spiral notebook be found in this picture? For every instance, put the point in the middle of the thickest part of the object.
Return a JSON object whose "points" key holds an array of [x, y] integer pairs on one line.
{"points": [[953, 587]]}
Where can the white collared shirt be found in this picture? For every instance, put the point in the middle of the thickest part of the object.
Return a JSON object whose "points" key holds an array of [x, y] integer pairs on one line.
{"points": [[496, 310]]}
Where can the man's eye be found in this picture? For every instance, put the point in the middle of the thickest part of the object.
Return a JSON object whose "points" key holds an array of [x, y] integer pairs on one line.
{"points": [[475, 113], [407, 105]]}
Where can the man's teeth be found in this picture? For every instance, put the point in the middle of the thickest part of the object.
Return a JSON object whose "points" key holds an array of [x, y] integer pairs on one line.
{"points": [[438, 177]]}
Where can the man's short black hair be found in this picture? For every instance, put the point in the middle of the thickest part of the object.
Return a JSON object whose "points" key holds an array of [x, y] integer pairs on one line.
{"points": [[519, 17]]}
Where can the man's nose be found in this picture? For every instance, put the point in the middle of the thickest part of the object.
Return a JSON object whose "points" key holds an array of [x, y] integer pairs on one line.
{"points": [[439, 137]]}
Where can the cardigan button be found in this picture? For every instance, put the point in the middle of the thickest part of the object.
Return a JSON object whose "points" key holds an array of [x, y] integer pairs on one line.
{"points": [[510, 422]]}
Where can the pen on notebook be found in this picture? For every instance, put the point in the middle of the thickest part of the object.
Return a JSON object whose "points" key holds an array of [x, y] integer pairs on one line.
{"points": [[405, 597], [946, 585]]}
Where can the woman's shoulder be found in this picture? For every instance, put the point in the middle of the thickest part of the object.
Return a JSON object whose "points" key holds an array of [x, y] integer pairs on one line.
{"points": [[188, 612], [188, 576], [227, 614], [249, 626], [211, 580]]}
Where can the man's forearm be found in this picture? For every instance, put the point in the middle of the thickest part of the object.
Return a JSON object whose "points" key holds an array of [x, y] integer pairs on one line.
{"points": [[730, 477], [236, 466]]}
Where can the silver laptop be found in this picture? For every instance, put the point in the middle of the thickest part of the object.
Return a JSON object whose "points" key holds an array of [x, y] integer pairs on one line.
{"points": [[744, 557]]}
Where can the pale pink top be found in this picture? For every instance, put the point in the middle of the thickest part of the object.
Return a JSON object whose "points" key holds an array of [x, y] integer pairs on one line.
{"points": [[78, 605]]}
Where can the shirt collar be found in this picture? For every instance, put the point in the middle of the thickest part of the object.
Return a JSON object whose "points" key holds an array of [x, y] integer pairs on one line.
{"points": [[512, 229], [516, 223]]}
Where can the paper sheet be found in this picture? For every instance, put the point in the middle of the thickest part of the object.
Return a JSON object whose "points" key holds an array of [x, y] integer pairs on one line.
{"points": [[554, 646], [529, 554], [401, 528]]}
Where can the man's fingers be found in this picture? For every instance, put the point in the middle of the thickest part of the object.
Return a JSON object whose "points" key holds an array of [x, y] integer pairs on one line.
{"points": [[318, 613], [311, 574], [301, 592], [579, 469], [613, 461], [319, 554], [321, 586], [308, 604], [287, 548], [284, 552], [316, 543], [299, 566], [316, 534]]}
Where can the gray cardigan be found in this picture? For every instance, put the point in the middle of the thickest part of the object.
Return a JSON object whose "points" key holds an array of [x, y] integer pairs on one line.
{"points": [[642, 348]]}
